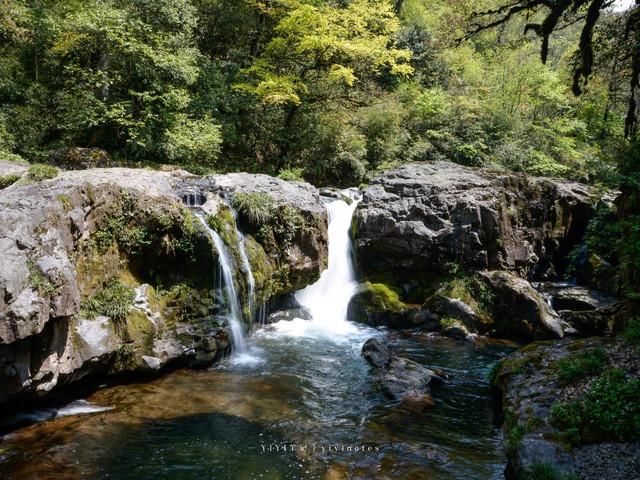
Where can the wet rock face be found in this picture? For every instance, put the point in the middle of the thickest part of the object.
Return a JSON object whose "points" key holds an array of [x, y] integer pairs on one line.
{"points": [[417, 218], [520, 311], [303, 261]]}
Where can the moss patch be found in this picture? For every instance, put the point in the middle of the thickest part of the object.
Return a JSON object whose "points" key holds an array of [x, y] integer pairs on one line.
{"points": [[382, 298]]}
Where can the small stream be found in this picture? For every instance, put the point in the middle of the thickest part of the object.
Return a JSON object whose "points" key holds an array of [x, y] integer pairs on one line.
{"points": [[298, 403]]}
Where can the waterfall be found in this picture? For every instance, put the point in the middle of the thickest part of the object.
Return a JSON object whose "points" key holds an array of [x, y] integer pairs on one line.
{"points": [[235, 312], [328, 298], [246, 266]]}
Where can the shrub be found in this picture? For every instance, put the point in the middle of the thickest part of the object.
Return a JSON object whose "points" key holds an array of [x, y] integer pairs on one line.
{"points": [[255, 207], [609, 410], [40, 171], [576, 367], [8, 180], [114, 301], [292, 174]]}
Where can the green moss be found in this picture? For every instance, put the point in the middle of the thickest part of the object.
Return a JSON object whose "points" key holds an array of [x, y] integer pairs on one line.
{"points": [[383, 299], [40, 171], [578, 366], [8, 180], [470, 290], [449, 322]]}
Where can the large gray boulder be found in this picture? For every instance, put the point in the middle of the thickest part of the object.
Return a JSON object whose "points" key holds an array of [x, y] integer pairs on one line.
{"points": [[519, 310], [66, 241], [416, 219]]}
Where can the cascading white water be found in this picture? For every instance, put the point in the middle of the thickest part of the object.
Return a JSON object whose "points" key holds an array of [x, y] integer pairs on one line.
{"points": [[235, 312], [328, 298], [246, 266]]}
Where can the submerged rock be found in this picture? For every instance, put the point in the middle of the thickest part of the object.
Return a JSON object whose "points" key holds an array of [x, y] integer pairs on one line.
{"points": [[400, 378]]}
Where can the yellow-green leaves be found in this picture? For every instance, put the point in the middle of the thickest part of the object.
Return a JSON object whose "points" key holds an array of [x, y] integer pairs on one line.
{"points": [[319, 44]]}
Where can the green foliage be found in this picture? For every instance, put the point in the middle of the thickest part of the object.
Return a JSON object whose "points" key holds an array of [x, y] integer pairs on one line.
{"points": [[608, 410], [120, 225], [578, 366], [8, 180], [39, 281], [39, 172], [190, 141], [114, 301], [335, 90], [255, 207], [287, 222], [292, 174], [215, 222], [632, 331]]}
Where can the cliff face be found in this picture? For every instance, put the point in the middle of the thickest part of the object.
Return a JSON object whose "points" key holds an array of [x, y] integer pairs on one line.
{"points": [[420, 217], [106, 272]]}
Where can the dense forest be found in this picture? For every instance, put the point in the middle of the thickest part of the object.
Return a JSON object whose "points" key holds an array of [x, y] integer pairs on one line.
{"points": [[328, 91]]}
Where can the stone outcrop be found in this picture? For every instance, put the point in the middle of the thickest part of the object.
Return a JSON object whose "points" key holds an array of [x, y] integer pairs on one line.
{"points": [[105, 272], [416, 219], [519, 310]]}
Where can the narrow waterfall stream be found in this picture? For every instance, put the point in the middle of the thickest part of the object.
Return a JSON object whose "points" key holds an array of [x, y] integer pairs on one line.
{"points": [[308, 411], [226, 269]]}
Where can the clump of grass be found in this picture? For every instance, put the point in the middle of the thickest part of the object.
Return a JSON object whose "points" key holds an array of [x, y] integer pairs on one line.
{"points": [[8, 180], [576, 367], [609, 410], [255, 207], [114, 301], [215, 222], [39, 281], [41, 171], [546, 471]]}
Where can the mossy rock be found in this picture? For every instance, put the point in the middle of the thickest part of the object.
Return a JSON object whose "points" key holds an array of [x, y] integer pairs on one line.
{"points": [[374, 302]]}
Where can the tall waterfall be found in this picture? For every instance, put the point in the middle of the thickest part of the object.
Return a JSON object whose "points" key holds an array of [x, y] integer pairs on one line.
{"points": [[328, 298], [235, 312]]}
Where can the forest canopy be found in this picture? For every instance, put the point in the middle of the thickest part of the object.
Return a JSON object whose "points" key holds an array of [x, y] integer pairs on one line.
{"points": [[329, 91]]}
